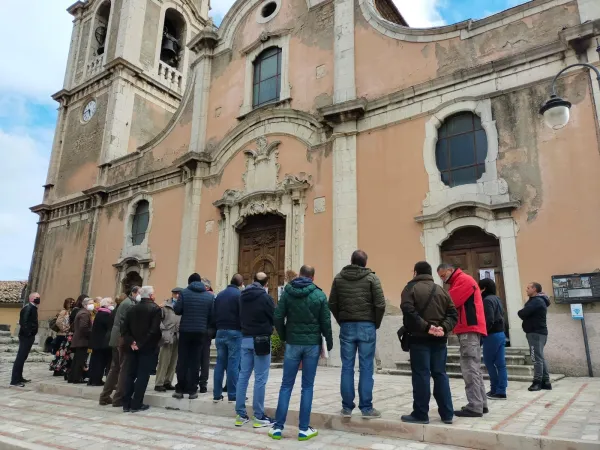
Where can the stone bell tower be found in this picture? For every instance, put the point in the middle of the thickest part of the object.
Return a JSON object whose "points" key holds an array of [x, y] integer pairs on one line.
{"points": [[127, 71]]}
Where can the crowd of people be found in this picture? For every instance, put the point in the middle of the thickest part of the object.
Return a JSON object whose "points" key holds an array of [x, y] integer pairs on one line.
{"points": [[133, 337]]}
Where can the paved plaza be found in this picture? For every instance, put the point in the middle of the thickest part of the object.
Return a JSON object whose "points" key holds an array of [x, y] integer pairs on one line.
{"points": [[566, 417]]}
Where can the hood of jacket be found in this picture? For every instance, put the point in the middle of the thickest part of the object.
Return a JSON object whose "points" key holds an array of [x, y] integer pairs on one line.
{"points": [[423, 277], [542, 296], [353, 272], [253, 292], [197, 286], [300, 287]]}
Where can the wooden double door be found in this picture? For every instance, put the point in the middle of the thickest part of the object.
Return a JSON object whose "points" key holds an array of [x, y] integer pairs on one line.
{"points": [[478, 254], [262, 249]]}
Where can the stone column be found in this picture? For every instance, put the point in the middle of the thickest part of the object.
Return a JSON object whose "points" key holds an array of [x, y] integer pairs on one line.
{"points": [[344, 70], [74, 46]]}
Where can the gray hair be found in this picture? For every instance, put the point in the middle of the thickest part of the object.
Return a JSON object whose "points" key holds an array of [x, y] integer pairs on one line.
{"points": [[146, 291], [106, 302], [86, 301], [445, 266]]}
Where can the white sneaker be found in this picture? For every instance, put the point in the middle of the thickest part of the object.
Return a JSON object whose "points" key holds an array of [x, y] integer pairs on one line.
{"points": [[241, 420], [307, 434], [275, 433]]}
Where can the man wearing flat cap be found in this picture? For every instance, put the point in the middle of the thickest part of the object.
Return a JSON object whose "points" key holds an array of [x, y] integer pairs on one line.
{"points": [[169, 344]]}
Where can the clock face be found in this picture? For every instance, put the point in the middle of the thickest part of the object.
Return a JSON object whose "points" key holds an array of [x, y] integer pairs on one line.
{"points": [[89, 111]]}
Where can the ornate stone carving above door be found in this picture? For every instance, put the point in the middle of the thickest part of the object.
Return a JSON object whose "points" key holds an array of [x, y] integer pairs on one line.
{"points": [[262, 167]]}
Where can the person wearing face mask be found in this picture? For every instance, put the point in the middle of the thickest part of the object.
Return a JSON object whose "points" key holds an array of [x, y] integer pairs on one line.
{"points": [[82, 330], [169, 344], [117, 375], [471, 326], [100, 342], [28, 322]]}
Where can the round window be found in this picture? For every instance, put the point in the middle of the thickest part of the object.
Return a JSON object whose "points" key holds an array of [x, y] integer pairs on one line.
{"points": [[268, 10]]}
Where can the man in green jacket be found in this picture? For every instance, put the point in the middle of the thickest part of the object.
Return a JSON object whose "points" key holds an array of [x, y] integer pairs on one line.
{"points": [[305, 307], [358, 304]]}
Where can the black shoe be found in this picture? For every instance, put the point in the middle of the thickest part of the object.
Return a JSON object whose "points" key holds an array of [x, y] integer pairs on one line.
{"points": [[117, 405], [19, 384], [535, 386], [160, 389], [412, 419], [169, 387], [447, 421], [546, 385], [203, 390], [496, 396], [486, 410], [217, 400], [194, 396], [141, 408], [467, 413], [225, 388], [178, 395], [23, 380], [126, 408]]}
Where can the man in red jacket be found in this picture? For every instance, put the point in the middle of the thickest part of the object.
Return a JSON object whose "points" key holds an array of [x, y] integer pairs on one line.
{"points": [[466, 295]]}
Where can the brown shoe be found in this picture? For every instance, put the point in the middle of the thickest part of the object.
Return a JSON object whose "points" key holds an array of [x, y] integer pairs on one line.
{"points": [[105, 402]]}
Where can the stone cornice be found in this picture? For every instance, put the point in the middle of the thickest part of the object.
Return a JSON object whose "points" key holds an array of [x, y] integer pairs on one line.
{"points": [[192, 158], [576, 35], [264, 37], [206, 39], [351, 110], [76, 7], [494, 209], [65, 95]]}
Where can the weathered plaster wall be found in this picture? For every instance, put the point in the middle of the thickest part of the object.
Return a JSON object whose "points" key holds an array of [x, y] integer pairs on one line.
{"points": [[147, 121], [310, 64], [62, 266], [400, 64], [150, 35], [82, 144], [392, 184], [115, 12], [83, 43], [109, 241], [554, 174], [164, 240]]}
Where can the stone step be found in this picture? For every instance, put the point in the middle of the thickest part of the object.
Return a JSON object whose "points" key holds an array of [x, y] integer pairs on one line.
{"points": [[524, 378], [513, 360], [523, 351], [33, 358], [14, 348], [4, 327], [8, 340], [513, 370], [5, 333]]}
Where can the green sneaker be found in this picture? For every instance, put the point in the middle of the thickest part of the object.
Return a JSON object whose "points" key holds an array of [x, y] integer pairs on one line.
{"points": [[275, 433], [261, 423], [307, 434], [241, 420]]}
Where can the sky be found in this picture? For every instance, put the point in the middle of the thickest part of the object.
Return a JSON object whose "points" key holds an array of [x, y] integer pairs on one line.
{"points": [[33, 69]]}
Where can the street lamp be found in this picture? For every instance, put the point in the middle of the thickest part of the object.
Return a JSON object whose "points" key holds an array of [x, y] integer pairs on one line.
{"points": [[556, 111]]}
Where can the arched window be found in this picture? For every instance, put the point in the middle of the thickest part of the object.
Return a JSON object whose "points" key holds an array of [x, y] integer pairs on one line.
{"points": [[173, 39], [140, 222], [101, 30], [267, 77], [461, 149]]}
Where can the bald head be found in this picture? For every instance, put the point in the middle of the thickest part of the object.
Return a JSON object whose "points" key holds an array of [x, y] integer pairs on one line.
{"points": [[261, 278], [34, 298], [237, 280], [307, 271]]}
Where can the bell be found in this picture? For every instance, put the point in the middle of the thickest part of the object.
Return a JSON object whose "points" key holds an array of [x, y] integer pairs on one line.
{"points": [[169, 48]]}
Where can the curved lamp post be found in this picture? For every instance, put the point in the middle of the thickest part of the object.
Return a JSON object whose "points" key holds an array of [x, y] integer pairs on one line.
{"points": [[556, 111]]}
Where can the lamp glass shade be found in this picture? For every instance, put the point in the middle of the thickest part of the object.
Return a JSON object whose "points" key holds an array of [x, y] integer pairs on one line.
{"points": [[557, 116]]}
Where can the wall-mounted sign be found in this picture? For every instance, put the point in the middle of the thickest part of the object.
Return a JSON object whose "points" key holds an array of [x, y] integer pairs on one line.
{"points": [[576, 288], [487, 273], [577, 311]]}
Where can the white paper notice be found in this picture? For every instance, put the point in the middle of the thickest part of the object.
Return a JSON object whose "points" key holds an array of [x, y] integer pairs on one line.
{"points": [[487, 273]]}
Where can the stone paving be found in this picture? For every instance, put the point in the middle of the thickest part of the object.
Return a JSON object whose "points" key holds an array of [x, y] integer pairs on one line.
{"points": [[569, 411]]}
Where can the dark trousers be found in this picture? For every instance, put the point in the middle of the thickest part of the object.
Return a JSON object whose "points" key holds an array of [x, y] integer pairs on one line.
{"points": [[57, 342], [25, 344], [117, 375], [428, 360], [99, 360], [78, 366], [193, 354], [139, 365]]}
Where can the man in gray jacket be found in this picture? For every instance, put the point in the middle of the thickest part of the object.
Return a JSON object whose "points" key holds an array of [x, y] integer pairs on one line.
{"points": [[169, 344], [358, 305], [117, 375]]}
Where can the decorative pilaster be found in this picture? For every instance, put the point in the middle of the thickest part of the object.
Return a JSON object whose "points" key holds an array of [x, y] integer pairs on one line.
{"points": [[99, 196], [344, 69]]}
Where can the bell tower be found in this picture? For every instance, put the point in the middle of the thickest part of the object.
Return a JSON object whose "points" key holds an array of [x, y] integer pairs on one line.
{"points": [[127, 71]]}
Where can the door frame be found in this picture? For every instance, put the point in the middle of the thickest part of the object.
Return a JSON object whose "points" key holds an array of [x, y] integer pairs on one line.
{"points": [[498, 223]]}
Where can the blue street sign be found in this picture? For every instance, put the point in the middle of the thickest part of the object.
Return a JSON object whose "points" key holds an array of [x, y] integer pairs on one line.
{"points": [[577, 311]]}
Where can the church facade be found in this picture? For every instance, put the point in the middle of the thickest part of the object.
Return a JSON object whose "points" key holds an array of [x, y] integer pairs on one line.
{"points": [[300, 130]]}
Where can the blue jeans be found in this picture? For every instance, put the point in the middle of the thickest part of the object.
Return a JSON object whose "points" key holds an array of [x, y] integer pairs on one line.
{"points": [[361, 337], [260, 365], [495, 362], [229, 343], [429, 361], [308, 355]]}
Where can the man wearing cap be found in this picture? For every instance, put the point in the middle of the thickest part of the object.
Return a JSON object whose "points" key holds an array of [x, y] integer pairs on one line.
{"points": [[169, 344]]}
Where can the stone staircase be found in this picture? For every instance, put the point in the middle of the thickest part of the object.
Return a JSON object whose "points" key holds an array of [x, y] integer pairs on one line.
{"points": [[9, 346]]}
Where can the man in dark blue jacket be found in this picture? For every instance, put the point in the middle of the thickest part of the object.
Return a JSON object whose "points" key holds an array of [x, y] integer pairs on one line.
{"points": [[256, 319], [195, 306], [229, 338]]}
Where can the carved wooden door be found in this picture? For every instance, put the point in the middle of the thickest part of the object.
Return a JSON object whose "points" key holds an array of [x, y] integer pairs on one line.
{"points": [[262, 249]]}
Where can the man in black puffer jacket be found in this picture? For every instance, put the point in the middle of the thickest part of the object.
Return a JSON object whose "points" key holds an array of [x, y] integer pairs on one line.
{"points": [[195, 306], [535, 328]]}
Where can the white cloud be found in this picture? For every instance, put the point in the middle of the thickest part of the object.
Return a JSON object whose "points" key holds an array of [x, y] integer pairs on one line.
{"points": [[421, 13], [220, 7]]}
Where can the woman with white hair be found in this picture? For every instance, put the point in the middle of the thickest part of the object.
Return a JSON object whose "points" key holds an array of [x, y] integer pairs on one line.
{"points": [[82, 329], [99, 342]]}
